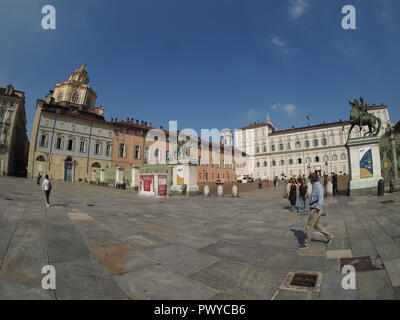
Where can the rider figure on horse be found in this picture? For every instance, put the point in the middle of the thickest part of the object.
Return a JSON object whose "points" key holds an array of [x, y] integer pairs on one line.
{"points": [[363, 110]]}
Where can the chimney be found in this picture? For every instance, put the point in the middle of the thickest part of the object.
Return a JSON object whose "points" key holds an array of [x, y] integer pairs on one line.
{"points": [[137, 122], [145, 124], [131, 120], [141, 123], [150, 124]]}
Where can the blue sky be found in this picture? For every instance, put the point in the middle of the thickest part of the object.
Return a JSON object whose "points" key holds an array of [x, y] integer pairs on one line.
{"points": [[209, 63]]}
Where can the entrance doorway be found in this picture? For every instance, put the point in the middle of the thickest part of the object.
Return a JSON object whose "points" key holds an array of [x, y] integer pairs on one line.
{"points": [[68, 170]]}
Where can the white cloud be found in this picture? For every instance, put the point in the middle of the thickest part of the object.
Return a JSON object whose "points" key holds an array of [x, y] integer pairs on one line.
{"points": [[278, 42], [276, 106], [297, 8], [289, 108]]}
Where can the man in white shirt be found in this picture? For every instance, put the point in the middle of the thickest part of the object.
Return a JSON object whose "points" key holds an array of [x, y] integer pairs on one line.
{"points": [[46, 186]]}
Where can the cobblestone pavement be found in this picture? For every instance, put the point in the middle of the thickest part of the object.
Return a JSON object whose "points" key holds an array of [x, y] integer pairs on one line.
{"points": [[112, 244]]}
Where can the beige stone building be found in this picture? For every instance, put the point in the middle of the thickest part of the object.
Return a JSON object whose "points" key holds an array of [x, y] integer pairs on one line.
{"points": [[14, 142], [70, 137], [297, 151]]}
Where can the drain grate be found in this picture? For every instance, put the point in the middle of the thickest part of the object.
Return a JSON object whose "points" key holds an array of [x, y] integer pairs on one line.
{"points": [[387, 201], [304, 280], [362, 264], [90, 205]]}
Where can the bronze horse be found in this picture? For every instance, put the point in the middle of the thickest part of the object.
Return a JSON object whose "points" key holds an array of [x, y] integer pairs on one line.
{"points": [[367, 119]]}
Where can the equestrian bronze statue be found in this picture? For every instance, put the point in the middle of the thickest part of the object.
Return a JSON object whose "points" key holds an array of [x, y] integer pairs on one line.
{"points": [[359, 116]]}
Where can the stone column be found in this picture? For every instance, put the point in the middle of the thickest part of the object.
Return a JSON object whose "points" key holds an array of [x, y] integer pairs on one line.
{"points": [[135, 178]]}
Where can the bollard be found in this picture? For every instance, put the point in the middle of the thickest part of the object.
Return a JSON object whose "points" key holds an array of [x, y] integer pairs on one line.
{"points": [[206, 190], [381, 187], [235, 191], [329, 188], [220, 190]]}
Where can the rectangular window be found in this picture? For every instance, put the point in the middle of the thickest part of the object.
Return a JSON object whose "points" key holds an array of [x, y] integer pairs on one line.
{"points": [[98, 148], [70, 144], [307, 144], [299, 160], [137, 152], [43, 141], [281, 146], [298, 145], [121, 150], [59, 143], [108, 150], [82, 146], [316, 142], [273, 147]]}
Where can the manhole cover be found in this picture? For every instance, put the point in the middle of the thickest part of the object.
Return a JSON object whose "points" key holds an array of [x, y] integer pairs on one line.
{"points": [[304, 280], [362, 263], [387, 201]]}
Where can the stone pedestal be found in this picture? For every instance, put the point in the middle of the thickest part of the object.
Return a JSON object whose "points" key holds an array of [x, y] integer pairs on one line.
{"points": [[184, 174], [365, 166]]}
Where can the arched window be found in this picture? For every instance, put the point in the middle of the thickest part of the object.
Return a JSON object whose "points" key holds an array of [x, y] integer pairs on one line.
{"points": [[96, 165], [75, 97], [40, 158]]}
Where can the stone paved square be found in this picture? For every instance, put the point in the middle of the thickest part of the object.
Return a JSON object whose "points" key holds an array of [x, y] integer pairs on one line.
{"points": [[124, 246]]}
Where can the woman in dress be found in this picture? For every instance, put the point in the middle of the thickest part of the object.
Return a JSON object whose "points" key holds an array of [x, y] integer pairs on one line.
{"points": [[293, 194]]}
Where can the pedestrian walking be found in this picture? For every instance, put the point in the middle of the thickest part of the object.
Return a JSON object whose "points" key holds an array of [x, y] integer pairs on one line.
{"points": [[39, 177], [316, 204], [335, 183], [303, 194], [293, 194], [47, 189]]}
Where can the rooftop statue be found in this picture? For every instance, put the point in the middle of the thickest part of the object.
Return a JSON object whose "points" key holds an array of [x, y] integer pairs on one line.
{"points": [[360, 117]]}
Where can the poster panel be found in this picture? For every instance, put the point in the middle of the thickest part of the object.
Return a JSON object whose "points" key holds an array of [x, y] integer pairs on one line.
{"points": [[366, 164]]}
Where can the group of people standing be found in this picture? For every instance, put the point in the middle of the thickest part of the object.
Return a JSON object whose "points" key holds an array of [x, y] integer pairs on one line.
{"points": [[298, 188], [46, 186]]}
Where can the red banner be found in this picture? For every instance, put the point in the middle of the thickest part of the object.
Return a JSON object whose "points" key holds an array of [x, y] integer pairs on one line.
{"points": [[147, 183], [162, 185]]}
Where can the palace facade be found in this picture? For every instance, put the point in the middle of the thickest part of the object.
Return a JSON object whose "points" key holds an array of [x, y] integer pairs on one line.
{"points": [[70, 137], [14, 142], [297, 151]]}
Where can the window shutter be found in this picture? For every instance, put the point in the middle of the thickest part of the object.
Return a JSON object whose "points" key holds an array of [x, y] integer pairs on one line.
{"points": [[73, 145], [62, 144]]}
